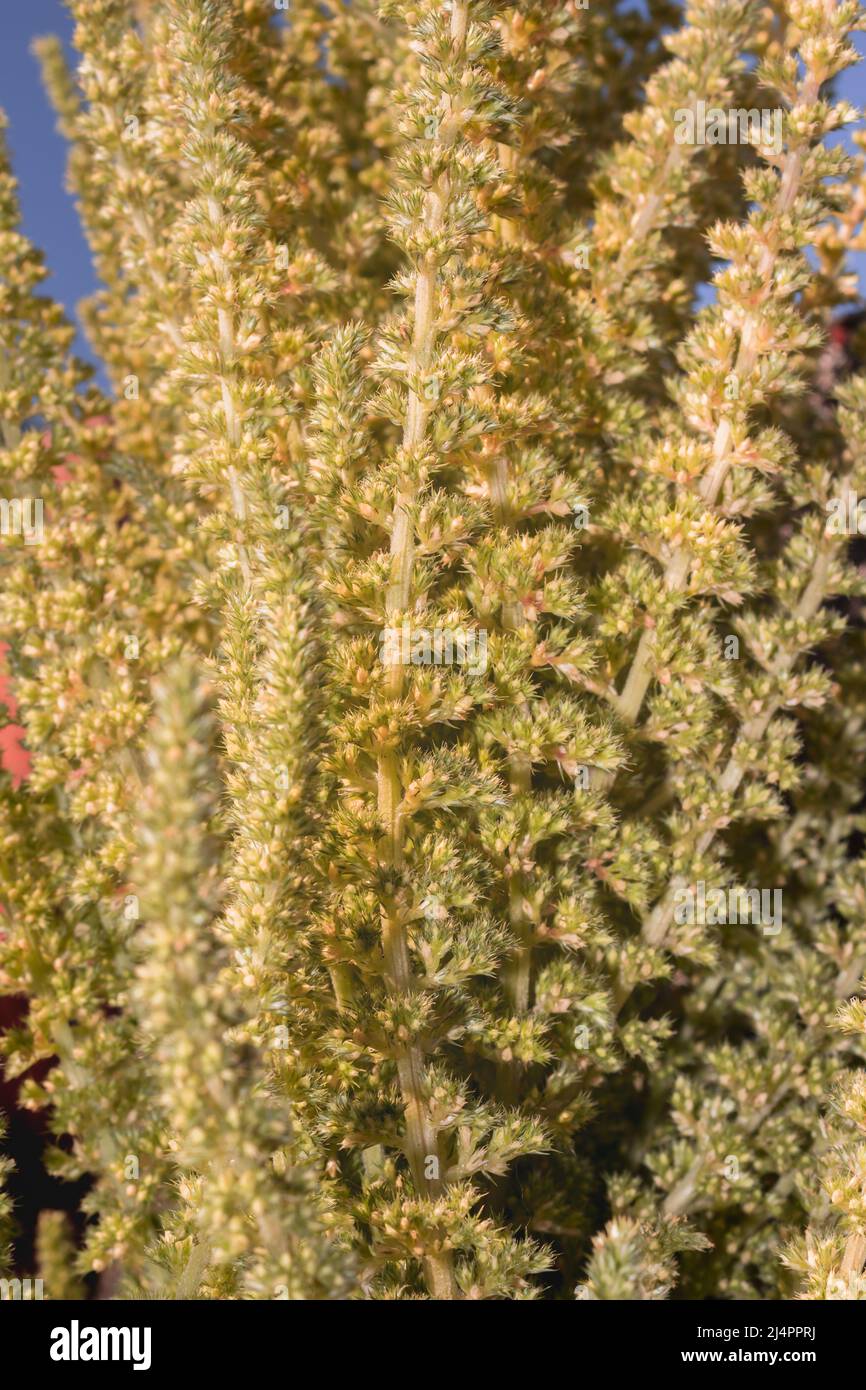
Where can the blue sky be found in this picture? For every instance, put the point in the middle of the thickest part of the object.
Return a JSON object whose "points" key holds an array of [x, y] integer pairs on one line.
{"points": [[39, 153]]}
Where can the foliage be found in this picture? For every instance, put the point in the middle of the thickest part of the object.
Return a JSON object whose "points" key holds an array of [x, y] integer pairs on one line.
{"points": [[440, 869]]}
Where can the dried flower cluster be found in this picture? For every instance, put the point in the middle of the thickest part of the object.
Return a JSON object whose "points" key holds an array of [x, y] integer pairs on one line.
{"points": [[440, 868]]}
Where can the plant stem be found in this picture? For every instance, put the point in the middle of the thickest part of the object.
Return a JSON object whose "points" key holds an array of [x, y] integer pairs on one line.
{"points": [[421, 1137], [517, 974], [855, 1254], [676, 574], [655, 927]]}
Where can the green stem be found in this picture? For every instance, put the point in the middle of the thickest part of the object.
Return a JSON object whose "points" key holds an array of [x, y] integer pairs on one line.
{"points": [[421, 1140]]}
